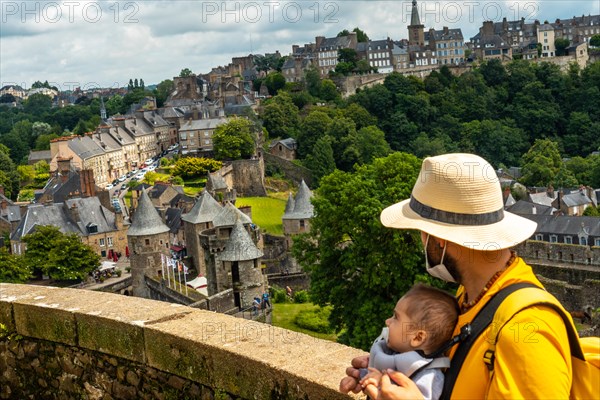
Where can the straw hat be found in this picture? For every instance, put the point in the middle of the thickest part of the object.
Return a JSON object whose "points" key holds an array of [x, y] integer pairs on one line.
{"points": [[457, 197]]}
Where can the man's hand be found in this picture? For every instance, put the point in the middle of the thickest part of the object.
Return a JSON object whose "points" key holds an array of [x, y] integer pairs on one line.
{"points": [[351, 382], [405, 388]]}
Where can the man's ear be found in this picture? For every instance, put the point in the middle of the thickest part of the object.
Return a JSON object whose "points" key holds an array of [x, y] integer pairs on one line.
{"points": [[418, 339]]}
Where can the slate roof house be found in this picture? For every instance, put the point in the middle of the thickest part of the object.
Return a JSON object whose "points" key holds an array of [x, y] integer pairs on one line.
{"points": [[573, 203], [284, 148], [97, 225], [566, 229]]}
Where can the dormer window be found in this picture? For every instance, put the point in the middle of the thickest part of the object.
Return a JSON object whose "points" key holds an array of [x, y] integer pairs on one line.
{"points": [[92, 228]]}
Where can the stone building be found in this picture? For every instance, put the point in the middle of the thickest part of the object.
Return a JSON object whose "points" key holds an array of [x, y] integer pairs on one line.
{"points": [[98, 226], [200, 218], [224, 246], [148, 239], [298, 213], [284, 148]]}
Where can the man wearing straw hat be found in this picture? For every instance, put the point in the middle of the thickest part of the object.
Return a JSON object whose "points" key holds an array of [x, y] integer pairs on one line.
{"points": [[457, 205]]}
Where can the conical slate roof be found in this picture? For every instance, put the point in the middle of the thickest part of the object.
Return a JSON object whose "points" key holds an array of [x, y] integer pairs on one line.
{"points": [[229, 215], [205, 210], [289, 206], [146, 220], [303, 208], [240, 246]]}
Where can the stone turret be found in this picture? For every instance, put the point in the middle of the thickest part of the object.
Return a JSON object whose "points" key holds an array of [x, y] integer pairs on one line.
{"points": [[416, 31], [239, 267], [148, 240], [198, 219], [298, 212]]}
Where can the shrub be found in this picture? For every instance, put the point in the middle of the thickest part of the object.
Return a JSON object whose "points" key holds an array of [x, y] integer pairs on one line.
{"points": [[301, 296], [315, 319], [279, 295]]}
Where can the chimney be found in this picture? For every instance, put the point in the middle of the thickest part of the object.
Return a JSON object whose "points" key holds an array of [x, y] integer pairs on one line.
{"points": [[488, 28], [4, 204], [446, 30], [550, 191], [318, 41], [295, 48], [75, 213], [119, 220], [2, 190], [87, 183]]}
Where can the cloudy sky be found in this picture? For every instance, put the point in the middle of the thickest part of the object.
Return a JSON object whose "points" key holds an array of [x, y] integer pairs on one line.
{"points": [[105, 43]]}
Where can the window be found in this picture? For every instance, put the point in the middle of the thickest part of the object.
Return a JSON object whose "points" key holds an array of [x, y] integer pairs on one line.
{"points": [[109, 241], [302, 224], [147, 242], [568, 240], [102, 243], [583, 240], [597, 242], [539, 237], [553, 239]]}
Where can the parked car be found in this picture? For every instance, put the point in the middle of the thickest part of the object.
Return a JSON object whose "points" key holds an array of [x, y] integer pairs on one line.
{"points": [[149, 161], [124, 186], [110, 186], [122, 178]]}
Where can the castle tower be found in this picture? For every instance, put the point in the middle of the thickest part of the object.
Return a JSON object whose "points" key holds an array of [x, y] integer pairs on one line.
{"points": [[416, 31], [298, 213], [239, 267], [216, 241], [197, 220], [148, 240]]}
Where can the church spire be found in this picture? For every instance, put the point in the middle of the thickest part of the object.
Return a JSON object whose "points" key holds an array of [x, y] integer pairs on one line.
{"points": [[414, 16], [102, 109]]}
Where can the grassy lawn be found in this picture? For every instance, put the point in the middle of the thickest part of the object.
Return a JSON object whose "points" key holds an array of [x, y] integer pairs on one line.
{"points": [[285, 313], [266, 212]]}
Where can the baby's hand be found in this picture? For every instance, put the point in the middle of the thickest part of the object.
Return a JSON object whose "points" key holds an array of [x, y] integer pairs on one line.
{"points": [[372, 378]]}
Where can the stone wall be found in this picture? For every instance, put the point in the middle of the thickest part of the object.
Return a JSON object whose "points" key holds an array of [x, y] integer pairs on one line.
{"points": [[560, 252], [71, 344], [290, 170], [249, 177]]}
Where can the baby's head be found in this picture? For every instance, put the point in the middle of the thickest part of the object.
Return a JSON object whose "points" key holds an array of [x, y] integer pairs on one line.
{"points": [[424, 319]]}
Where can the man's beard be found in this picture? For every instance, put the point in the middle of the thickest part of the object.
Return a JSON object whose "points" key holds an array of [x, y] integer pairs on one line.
{"points": [[434, 255]]}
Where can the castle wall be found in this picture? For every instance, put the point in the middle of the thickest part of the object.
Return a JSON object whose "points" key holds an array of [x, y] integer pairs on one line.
{"points": [[99, 345], [290, 170], [248, 177]]}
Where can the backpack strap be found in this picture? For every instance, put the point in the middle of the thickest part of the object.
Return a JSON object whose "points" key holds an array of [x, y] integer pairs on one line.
{"points": [[529, 296], [481, 321]]}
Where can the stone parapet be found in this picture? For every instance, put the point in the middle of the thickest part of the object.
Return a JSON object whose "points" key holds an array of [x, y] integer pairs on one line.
{"points": [[100, 344]]}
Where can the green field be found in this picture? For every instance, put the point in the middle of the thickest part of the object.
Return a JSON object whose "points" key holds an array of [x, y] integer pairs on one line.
{"points": [[285, 313], [266, 212]]}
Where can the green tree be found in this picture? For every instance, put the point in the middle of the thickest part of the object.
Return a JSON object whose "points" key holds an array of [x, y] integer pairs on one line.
{"points": [[313, 127], [9, 178], [7, 98], [37, 104], [280, 116], [234, 140], [595, 41], [321, 161], [162, 91], [561, 45], [352, 260], [361, 36], [359, 115], [541, 163], [190, 167], [150, 178], [185, 73], [312, 78], [366, 145], [275, 81], [43, 141], [328, 90], [493, 72], [12, 268], [115, 105], [58, 255], [26, 173]]}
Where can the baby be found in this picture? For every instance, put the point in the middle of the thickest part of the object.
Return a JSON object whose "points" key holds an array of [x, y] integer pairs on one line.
{"points": [[423, 322]]}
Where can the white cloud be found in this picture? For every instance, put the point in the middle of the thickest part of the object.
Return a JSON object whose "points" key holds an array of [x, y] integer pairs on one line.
{"points": [[108, 42]]}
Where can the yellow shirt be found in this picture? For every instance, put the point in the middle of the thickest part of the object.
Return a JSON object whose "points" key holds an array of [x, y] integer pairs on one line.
{"points": [[532, 355]]}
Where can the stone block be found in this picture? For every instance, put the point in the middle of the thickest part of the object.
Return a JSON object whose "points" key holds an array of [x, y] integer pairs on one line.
{"points": [[45, 322], [110, 336]]}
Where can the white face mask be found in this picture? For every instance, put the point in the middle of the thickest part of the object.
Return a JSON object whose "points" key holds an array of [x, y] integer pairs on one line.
{"points": [[438, 271]]}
